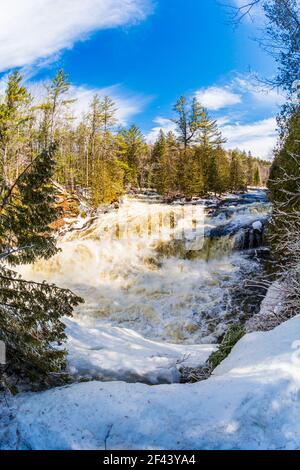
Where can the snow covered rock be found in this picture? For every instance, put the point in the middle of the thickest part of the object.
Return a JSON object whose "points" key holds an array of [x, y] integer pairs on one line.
{"points": [[251, 402], [257, 226], [270, 309], [105, 352]]}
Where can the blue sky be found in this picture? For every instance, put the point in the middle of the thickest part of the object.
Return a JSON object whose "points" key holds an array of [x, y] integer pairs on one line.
{"points": [[146, 53]]}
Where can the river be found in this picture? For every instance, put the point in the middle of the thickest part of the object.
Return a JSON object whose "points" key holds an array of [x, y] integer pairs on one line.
{"points": [[162, 270]]}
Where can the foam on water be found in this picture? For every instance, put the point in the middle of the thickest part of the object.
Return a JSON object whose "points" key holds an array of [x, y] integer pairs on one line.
{"points": [[117, 267]]}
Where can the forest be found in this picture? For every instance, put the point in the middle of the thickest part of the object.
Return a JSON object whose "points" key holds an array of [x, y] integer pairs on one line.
{"points": [[95, 155], [94, 327]]}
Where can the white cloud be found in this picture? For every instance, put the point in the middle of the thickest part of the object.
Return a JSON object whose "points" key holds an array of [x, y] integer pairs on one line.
{"points": [[215, 98], [127, 104], [162, 124], [244, 97], [262, 95], [240, 91], [34, 30], [259, 137]]}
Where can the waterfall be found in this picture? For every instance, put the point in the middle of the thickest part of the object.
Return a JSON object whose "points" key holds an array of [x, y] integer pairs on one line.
{"points": [[163, 270]]}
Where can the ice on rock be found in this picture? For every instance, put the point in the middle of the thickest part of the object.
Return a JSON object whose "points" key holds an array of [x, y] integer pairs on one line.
{"points": [[257, 225]]}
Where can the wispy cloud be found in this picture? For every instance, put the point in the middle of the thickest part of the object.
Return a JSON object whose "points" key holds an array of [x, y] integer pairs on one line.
{"points": [[162, 123], [245, 113], [34, 30], [243, 90], [127, 104], [245, 110], [250, 88], [259, 137], [215, 98]]}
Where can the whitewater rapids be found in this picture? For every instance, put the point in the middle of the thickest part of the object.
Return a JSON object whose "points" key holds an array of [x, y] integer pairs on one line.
{"points": [[154, 268]]}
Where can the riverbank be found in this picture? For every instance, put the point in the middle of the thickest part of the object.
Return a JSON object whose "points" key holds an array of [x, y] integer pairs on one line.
{"points": [[156, 303], [251, 402], [120, 337]]}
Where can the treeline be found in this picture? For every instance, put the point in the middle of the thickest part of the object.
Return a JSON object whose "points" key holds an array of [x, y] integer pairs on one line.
{"points": [[285, 170], [95, 155], [202, 169], [282, 41]]}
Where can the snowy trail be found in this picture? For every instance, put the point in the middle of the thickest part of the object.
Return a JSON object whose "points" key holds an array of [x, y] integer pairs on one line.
{"points": [[251, 402]]}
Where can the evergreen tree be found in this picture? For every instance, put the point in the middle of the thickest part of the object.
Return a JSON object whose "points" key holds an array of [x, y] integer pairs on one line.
{"points": [[192, 181], [194, 124], [209, 134], [15, 117], [238, 178], [189, 120], [250, 168], [212, 174], [256, 178], [31, 312], [164, 166], [218, 171], [134, 153], [285, 174], [104, 173], [56, 101], [159, 159]]}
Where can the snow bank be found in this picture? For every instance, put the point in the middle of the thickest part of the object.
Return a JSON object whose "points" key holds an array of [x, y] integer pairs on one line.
{"points": [[270, 309], [105, 352], [272, 303], [257, 225], [251, 402]]}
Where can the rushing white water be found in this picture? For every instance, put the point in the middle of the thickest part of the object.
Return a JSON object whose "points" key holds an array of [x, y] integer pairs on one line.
{"points": [[148, 267]]}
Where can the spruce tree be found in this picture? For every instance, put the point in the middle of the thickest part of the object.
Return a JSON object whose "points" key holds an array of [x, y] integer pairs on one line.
{"points": [[188, 121], [134, 153], [15, 117], [209, 135], [256, 177], [31, 313], [104, 172], [238, 178], [217, 171], [164, 163], [285, 174], [250, 168], [159, 159], [57, 99]]}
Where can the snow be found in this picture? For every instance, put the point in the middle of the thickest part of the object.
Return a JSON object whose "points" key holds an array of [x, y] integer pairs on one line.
{"points": [[115, 265], [257, 225], [270, 310], [251, 402], [272, 302], [105, 352]]}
